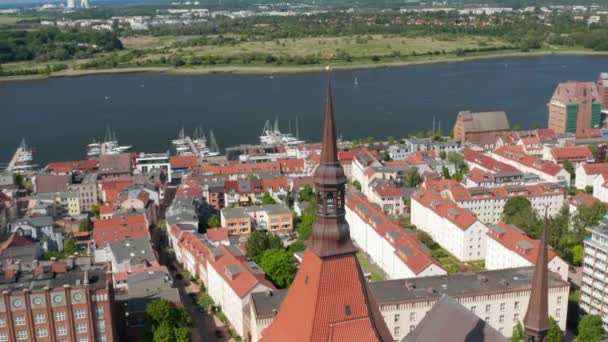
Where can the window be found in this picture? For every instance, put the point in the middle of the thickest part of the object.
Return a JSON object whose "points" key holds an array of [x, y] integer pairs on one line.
{"points": [[500, 330], [516, 305], [412, 327], [42, 332], [2, 323], [3, 337], [412, 316], [502, 306], [22, 335], [19, 320], [488, 308], [559, 299], [59, 316], [487, 319], [39, 318], [501, 319], [83, 339], [101, 326], [79, 314], [81, 328], [516, 318], [557, 312], [62, 330], [101, 338], [396, 331], [396, 317], [473, 308]]}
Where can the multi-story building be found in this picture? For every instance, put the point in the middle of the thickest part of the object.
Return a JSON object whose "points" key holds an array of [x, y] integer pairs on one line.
{"points": [[454, 228], [480, 128], [70, 201], [602, 88], [586, 174], [573, 154], [57, 302], [575, 106], [509, 247], [547, 170], [499, 297], [115, 165], [120, 228], [487, 203], [593, 298], [148, 162], [390, 196], [275, 218], [39, 228], [86, 187], [398, 253]]}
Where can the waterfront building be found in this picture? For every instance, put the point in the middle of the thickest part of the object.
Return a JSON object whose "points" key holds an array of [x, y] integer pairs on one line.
{"points": [[575, 106], [397, 252], [602, 88], [146, 163], [329, 299], [70, 167], [487, 203], [455, 229], [68, 300], [593, 299], [275, 218], [115, 165], [509, 247], [481, 129], [498, 297]]}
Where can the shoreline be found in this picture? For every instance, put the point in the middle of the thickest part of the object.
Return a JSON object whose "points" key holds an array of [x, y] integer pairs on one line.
{"points": [[272, 69]]}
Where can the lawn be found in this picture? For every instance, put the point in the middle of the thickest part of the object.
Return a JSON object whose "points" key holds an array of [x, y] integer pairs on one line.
{"points": [[376, 273], [9, 19]]}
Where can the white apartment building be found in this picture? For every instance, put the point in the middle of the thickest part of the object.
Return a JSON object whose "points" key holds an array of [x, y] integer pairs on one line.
{"points": [[397, 252], [487, 203], [516, 157], [500, 297], [398, 152], [148, 162], [390, 197], [587, 173], [600, 187], [509, 247], [454, 228], [595, 270]]}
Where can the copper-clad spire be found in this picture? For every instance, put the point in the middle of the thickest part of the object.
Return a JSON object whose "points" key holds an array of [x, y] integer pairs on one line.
{"points": [[536, 321], [330, 233]]}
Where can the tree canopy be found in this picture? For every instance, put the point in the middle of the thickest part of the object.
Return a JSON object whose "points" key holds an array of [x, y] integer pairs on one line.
{"points": [[554, 334], [267, 199], [590, 329], [166, 322], [259, 242], [280, 266], [412, 178], [518, 333]]}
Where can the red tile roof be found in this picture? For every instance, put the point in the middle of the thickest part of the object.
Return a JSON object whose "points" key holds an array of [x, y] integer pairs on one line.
{"points": [[461, 193], [571, 152], [418, 157], [385, 190], [583, 199], [217, 234], [106, 209], [486, 162], [589, 133], [112, 188], [183, 162], [546, 133], [517, 241], [461, 218], [596, 168], [418, 257], [15, 240], [479, 176], [517, 154], [120, 228], [69, 166]]}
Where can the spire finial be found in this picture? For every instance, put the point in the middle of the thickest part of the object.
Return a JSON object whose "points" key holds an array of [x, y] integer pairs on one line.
{"points": [[536, 321]]}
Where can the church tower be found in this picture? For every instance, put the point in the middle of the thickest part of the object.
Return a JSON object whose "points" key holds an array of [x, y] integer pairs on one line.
{"points": [[536, 321]]}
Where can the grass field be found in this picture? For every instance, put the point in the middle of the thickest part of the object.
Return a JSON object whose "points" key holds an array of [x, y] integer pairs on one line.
{"points": [[10, 20], [325, 47], [376, 273]]}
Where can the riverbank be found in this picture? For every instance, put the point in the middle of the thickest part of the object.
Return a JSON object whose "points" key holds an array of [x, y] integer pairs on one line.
{"points": [[294, 69]]}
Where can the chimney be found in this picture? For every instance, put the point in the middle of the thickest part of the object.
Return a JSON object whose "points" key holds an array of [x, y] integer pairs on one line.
{"points": [[85, 281]]}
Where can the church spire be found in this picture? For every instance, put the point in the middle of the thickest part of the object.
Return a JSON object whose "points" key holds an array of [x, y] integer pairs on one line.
{"points": [[330, 233], [536, 321]]}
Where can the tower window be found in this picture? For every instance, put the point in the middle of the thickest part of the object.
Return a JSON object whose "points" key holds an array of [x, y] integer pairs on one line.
{"points": [[347, 309]]}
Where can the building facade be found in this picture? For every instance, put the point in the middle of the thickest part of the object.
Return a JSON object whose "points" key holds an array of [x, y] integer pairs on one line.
{"points": [[480, 128], [575, 106], [594, 285]]}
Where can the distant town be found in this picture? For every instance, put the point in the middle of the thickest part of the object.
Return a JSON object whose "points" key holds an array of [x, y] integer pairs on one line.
{"points": [[198, 245]]}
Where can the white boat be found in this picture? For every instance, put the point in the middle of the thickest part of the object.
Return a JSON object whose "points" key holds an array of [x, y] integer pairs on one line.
{"points": [[197, 145], [23, 160], [109, 145], [273, 136]]}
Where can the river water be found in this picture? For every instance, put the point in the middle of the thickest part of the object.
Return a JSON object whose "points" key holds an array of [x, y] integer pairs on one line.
{"points": [[59, 116]]}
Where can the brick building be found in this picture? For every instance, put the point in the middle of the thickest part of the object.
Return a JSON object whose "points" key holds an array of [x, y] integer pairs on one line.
{"points": [[574, 106], [480, 128]]}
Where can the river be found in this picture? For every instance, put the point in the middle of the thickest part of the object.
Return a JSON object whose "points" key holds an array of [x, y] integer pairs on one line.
{"points": [[59, 116]]}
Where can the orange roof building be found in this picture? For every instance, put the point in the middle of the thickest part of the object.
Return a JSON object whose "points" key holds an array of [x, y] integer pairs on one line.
{"points": [[329, 300]]}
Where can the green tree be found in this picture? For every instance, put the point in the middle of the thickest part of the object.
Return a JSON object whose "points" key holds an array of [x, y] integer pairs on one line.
{"points": [[213, 222], [164, 333], [306, 193], [69, 247], [518, 211], [412, 178], [578, 254], [457, 159], [357, 185], [518, 333], [267, 199], [96, 209], [296, 246], [569, 167], [594, 152], [84, 225], [166, 322], [445, 173], [589, 189], [587, 216], [517, 127], [182, 334], [554, 334], [280, 266], [259, 242], [442, 155], [590, 329], [205, 302]]}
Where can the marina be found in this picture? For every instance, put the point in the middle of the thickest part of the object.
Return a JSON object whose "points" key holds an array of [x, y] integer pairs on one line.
{"points": [[197, 145], [23, 159], [109, 145]]}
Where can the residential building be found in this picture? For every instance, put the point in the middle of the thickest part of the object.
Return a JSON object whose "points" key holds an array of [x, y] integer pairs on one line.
{"points": [[51, 183], [58, 301], [70, 201], [390, 196], [41, 229], [120, 228], [481, 129], [600, 187], [509, 247], [21, 249], [531, 145], [146, 163], [498, 297], [586, 174], [115, 165], [602, 88], [398, 151], [70, 167], [454, 228], [593, 298], [397, 252], [86, 187], [487, 203], [574, 106], [275, 218], [547, 170], [180, 164], [573, 154], [581, 199], [7, 181]]}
